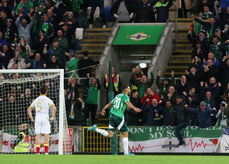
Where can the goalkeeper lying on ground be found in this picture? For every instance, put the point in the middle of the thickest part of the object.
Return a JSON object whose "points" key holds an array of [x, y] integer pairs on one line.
{"points": [[21, 144]]}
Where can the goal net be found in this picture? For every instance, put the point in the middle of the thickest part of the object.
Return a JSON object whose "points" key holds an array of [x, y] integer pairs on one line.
{"points": [[18, 89]]}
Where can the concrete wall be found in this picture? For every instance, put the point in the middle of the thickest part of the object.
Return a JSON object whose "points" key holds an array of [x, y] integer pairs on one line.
{"points": [[163, 51], [159, 61]]}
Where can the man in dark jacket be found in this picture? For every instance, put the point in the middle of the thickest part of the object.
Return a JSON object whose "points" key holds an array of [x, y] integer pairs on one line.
{"points": [[132, 117], [153, 113], [144, 12], [203, 114], [85, 69], [168, 114], [182, 119], [224, 71], [162, 9]]}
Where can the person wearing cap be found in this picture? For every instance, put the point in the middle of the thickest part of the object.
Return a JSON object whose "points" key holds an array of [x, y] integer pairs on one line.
{"points": [[181, 118], [221, 117], [203, 114]]}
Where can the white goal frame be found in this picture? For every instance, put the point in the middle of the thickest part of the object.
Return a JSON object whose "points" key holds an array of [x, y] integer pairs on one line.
{"points": [[61, 97]]}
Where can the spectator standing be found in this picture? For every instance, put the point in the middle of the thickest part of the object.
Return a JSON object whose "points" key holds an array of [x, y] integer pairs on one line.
{"points": [[92, 99], [183, 7], [72, 66], [171, 95], [224, 72], [53, 63], [162, 10], [164, 85], [85, 68], [38, 63], [116, 82], [203, 114], [137, 75], [24, 28], [153, 113], [123, 11], [221, 117], [168, 113], [17, 62], [94, 4], [182, 118], [144, 13], [150, 94], [132, 117], [182, 86], [2, 41], [143, 84]]}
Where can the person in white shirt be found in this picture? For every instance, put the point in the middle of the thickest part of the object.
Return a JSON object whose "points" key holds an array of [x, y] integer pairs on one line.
{"points": [[42, 121]]}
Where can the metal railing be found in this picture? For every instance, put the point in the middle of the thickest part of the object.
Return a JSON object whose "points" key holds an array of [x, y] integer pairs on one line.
{"points": [[94, 142]]}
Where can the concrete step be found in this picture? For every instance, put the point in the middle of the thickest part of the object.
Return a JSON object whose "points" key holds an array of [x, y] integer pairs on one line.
{"points": [[182, 25], [172, 14], [94, 41], [181, 30], [181, 36], [176, 74], [181, 20], [98, 30], [181, 52], [183, 47], [180, 58], [183, 41], [175, 68], [97, 35], [181, 63], [94, 56], [91, 51], [96, 46]]}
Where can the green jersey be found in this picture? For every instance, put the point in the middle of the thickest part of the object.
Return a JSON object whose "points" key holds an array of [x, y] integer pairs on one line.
{"points": [[119, 105]]}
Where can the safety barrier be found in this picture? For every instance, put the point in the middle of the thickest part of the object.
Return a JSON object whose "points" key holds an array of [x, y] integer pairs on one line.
{"points": [[96, 143]]}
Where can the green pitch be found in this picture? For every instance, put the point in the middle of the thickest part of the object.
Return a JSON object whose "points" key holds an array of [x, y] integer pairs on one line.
{"points": [[111, 159]]}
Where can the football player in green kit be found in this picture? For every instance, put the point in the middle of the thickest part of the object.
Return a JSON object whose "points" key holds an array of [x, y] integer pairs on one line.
{"points": [[118, 106]]}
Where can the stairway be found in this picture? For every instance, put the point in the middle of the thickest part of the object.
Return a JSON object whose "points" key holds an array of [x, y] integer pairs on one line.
{"points": [[181, 55], [94, 42]]}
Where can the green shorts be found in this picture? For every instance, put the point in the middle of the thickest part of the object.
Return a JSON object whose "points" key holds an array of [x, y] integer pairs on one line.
{"points": [[116, 122]]}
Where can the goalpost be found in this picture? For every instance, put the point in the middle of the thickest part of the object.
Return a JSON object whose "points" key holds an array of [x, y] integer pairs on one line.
{"points": [[18, 88]]}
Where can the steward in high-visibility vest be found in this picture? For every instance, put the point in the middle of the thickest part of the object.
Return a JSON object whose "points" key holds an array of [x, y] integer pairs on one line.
{"points": [[116, 83], [21, 144]]}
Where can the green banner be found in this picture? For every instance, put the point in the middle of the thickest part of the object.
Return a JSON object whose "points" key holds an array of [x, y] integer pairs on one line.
{"points": [[149, 133], [138, 35]]}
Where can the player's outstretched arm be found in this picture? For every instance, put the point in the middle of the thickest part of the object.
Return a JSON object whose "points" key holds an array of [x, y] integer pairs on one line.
{"points": [[106, 107], [29, 111], [53, 112], [129, 104]]}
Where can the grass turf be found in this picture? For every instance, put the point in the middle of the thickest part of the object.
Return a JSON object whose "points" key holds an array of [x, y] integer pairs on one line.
{"points": [[111, 159]]}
